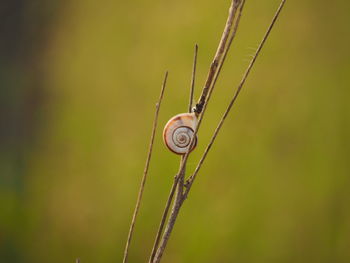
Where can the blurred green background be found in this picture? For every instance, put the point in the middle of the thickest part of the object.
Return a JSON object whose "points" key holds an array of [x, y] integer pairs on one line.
{"points": [[78, 84]]}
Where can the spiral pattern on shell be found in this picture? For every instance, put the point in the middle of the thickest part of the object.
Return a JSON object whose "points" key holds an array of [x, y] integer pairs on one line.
{"points": [[179, 131]]}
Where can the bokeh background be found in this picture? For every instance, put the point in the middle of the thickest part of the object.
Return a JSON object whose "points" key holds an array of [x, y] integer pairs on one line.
{"points": [[78, 84]]}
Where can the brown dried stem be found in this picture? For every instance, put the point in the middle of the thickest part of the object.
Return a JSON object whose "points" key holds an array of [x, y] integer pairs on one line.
{"points": [[218, 55], [212, 73], [190, 180], [234, 31], [174, 213], [176, 179], [215, 69], [164, 217], [145, 172], [157, 252]]}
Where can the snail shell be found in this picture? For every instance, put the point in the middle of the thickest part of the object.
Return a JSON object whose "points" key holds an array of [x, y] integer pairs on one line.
{"points": [[179, 131]]}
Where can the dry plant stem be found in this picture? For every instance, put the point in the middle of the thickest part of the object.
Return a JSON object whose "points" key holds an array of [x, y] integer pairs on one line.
{"points": [[216, 76], [145, 172], [193, 78], [164, 217], [234, 31], [220, 52], [218, 55], [238, 90], [176, 179], [212, 72], [173, 216], [177, 204]]}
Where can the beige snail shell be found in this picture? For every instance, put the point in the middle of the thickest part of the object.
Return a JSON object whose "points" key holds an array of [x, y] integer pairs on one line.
{"points": [[179, 131]]}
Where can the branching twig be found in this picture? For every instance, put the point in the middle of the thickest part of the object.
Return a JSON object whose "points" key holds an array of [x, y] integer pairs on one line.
{"points": [[190, 180], [145, 172], [207, 90], [218, 55], [157, 252], [234, 31], [182, 189], [176, 179], [210, 77]]}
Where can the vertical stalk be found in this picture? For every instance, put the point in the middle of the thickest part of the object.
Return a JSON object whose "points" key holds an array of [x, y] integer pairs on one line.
{"points": [[145, 172], [173, 216]]}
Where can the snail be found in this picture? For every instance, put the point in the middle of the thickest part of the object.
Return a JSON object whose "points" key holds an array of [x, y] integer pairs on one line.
{"points": [[179, 131]]}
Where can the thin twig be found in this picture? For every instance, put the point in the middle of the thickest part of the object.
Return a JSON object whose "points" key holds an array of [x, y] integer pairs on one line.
{"points": [[234, 31], [164, 217], [218, 55], [217, 73], [193, 78], [177, 205], [176, 179], [173, 216], [221, 51], [208, 88], [238, 90], [212, 72], [145, 172]]}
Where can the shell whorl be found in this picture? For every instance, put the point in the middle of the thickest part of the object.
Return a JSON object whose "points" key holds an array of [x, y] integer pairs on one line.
{"points": [[179, 131]]}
